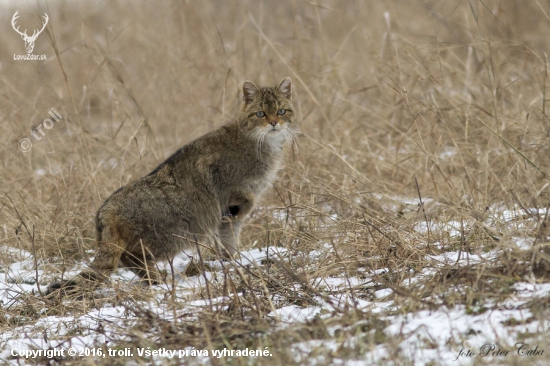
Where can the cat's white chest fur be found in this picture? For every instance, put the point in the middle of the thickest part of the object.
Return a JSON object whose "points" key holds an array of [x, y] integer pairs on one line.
{"points": [[276, 141]]}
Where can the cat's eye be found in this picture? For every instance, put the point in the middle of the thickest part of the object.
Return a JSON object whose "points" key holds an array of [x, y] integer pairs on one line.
{"points": [[280, 112], [260, 114]]}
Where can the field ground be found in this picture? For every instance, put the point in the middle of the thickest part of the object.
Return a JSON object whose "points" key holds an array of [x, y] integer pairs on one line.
{"points": [[409, 228]]}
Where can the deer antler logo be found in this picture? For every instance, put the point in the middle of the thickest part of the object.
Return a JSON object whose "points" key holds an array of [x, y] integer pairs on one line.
{"points": [[29, 41]]}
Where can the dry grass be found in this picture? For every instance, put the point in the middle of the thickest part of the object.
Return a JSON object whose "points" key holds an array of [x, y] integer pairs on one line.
{"points": [[413, 113]]}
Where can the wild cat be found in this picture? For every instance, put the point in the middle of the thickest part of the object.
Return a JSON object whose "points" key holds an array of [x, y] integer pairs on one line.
{"points": [[203, 192]]}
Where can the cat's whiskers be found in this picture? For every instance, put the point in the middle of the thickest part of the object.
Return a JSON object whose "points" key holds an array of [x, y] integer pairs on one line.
{"points": [[258, 135], [290, 135], [261, 141], [263, 135]]}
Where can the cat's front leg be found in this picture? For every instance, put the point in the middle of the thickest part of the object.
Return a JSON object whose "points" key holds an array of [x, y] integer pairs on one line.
{"points": [[240, 204]]}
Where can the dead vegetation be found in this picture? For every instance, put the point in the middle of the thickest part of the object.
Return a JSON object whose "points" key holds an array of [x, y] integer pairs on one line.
{"points": [[425, 132]]}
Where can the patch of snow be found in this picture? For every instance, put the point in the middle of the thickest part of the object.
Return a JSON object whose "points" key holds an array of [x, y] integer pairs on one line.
{"points": [[383, 293], [293, 313]]}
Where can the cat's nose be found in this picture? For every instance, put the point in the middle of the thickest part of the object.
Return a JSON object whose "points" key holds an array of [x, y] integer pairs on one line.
{"points": [[273, 122]]}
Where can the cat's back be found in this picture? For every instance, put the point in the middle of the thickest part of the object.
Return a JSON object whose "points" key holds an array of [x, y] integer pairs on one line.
{"points": [[201, 152]]}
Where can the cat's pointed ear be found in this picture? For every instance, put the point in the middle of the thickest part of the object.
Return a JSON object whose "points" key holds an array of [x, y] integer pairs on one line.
{"points": [[285, 87], [249, 91]]}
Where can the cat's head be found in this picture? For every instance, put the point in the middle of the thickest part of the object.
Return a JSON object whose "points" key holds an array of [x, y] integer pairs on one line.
{"points": [[267, 114]]}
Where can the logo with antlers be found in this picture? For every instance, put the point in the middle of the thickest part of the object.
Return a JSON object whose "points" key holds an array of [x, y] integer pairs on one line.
{"points": [[29, 41]]}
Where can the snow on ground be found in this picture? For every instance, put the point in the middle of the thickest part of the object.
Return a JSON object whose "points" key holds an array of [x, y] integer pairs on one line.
{"points": [[441, 336]]}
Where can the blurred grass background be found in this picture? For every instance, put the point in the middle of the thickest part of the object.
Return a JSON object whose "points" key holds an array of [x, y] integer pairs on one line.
{"points": [[386, 93]]}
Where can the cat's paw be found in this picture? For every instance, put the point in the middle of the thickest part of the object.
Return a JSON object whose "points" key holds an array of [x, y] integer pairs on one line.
{"points": [[67, 286], [86, 280]]}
